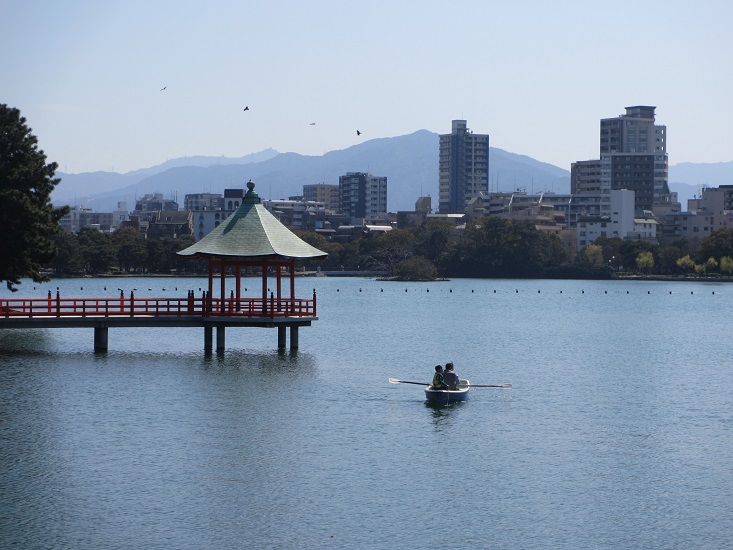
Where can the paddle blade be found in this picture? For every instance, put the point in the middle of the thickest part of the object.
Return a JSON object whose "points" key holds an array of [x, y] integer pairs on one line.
{"points": [[394, 381]]}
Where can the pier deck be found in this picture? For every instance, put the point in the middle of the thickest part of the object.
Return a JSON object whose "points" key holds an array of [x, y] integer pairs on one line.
{"points": [[102, 314]]}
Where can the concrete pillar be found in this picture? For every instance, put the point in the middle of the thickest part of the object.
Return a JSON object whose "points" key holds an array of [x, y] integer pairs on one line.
{"points": [[294, 337], [208, 338], [280, 337], [220, 338], [101, 338]]}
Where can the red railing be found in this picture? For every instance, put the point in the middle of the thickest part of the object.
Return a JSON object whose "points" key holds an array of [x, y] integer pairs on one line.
{"points": [[176, 307]]}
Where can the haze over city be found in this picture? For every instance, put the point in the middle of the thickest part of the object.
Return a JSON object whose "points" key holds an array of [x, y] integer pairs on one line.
{"points": [[117, 87]]}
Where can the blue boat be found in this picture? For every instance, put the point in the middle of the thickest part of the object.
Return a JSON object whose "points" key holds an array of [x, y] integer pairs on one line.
{"points": [[444, 397]]}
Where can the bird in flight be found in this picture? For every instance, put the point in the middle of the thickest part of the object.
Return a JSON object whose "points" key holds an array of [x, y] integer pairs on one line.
{"points": [[313, 123], [163, 88], [246, 108], [358, 133]]}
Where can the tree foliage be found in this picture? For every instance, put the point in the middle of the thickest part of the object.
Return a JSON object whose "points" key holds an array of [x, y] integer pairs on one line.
{"points": [[30, 222], [717, 245]]}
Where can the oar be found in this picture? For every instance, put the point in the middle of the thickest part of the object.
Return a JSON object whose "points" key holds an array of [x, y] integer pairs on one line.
{"points": [[396, 381], [502, 386]]}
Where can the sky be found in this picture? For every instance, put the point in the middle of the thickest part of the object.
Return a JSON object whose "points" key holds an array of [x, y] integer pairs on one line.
{"points": [[537, 76]]}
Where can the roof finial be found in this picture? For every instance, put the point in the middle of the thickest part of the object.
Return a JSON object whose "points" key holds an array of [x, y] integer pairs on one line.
{"points": [[251, 197]]}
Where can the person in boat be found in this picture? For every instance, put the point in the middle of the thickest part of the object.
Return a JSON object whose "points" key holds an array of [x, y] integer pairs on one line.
{"points": [[450, 377], [438, 382]]}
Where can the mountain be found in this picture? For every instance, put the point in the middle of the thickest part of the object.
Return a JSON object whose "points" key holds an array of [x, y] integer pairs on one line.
{"points": [[410, 163], [87, 188]]}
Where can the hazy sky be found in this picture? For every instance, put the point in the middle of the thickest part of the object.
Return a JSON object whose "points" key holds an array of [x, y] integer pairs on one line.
{"points": [[535, 75]]}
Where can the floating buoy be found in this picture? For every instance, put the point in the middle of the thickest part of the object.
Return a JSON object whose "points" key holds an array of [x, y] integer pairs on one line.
{"points": [[494, 291], [428, 290], [359, 290], [337, 290], [692, 292], [516, 291], [582, 291], [538, 292], [451, 290], [405, 290], [471, 291], [670, 292], [648, 291], [381, 290], [561, 292], [627, 292], [605, 292]]}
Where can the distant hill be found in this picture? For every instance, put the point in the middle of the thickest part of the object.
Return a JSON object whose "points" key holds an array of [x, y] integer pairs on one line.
{"points": [[410, 163]]}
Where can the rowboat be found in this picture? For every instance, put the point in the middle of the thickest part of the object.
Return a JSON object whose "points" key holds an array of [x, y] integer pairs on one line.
{"points": [[443, 397]]}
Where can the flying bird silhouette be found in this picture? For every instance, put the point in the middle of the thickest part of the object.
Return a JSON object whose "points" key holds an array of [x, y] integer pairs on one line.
{"points": [[313, 123], [358, 133], [163, 88], [246, 108]]}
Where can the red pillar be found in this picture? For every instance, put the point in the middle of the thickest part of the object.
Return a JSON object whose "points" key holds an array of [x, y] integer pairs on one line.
{"points": [[239, 285], [264, 287], [292, 286], [222, 295]]}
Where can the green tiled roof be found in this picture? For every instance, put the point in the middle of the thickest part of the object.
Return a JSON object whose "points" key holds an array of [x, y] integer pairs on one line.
{"points": [[252, 232]]}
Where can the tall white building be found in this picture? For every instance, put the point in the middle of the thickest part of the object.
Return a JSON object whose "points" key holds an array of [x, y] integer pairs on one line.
{"points": [[463, 168], [633, 152]]}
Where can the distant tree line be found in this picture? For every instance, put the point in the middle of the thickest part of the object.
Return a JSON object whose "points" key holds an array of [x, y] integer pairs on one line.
{"points": [[93, 252], [495, 247]]}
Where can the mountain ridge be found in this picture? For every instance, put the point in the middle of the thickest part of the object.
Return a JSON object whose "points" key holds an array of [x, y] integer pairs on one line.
{"points": [[410, 163]]}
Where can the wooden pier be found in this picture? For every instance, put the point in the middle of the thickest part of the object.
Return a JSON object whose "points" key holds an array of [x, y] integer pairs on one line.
{"points": [[207, 312], [251, 238]]}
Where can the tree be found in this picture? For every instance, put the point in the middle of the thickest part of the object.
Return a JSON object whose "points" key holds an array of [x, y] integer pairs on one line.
{"points": [[30, 222], [645, 261], [718, 244], [686, 264], [131, 251], [68, 258], [417, 268], [726, 264], [96, 250]]}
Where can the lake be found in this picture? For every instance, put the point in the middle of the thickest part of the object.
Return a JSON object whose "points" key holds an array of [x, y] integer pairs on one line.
{"points": [[618, 432]]}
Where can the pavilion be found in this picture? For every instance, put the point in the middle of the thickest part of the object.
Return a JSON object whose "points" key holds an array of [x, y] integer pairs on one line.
{"points": [[253, 237]]}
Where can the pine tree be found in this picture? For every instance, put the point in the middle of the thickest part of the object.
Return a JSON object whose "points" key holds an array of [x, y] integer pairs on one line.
{"points": [[28, 220]]}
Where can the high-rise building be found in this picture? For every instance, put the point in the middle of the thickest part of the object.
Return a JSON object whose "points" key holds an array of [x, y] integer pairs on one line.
{"points": [[634, 156], [463, 168], [326, 193], [585, 177], [363, 196]]}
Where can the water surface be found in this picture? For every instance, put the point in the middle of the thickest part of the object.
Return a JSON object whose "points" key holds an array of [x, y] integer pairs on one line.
{"points": [[617, 433]]}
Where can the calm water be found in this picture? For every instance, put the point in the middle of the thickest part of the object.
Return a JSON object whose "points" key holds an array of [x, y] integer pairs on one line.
{"points": [[618, 432]]}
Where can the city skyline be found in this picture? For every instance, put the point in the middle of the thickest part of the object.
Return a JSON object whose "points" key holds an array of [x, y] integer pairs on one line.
{"points": [[123, 87]]}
